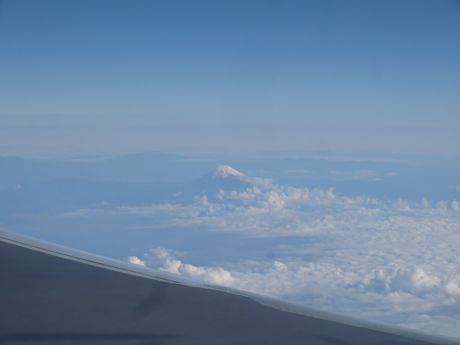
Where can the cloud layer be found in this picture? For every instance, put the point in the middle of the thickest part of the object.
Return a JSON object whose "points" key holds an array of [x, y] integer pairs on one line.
{"points": [[396, 262]]}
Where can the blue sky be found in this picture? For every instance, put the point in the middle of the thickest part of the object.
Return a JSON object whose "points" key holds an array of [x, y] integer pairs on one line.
{"points": [[81, 77]]}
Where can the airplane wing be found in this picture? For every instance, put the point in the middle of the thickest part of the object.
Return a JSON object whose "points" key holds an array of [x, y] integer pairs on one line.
{"points": [[54, 295]]}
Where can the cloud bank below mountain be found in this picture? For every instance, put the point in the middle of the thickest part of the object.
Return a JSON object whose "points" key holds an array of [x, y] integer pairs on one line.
{"points": [[396, 262]]}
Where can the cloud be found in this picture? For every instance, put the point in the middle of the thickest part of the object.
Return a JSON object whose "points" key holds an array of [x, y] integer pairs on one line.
{"points": [[166, 260], [453, 288], [390, 292], [394, 261], [135, 261]]}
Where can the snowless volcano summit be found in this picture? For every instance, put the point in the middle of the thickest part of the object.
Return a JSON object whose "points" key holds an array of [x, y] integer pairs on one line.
{"points": [[224, 171]]}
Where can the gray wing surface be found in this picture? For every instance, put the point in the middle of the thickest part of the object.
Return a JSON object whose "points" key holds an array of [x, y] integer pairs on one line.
{"points": [[53, 295]]}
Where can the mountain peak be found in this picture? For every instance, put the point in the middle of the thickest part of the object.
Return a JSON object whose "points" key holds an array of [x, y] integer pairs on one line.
{"points": [[227, 171]]}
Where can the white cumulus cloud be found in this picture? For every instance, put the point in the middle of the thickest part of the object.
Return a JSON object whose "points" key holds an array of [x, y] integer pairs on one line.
{"points": [[396, 261]]}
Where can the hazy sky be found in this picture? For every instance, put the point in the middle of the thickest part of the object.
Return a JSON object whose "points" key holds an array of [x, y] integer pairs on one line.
{"points": [[80, 77]]}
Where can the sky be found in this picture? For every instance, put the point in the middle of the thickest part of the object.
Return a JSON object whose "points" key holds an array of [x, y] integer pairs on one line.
{"points": [[220, 77]]}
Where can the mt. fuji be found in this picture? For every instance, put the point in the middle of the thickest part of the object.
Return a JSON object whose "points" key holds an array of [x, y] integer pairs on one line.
{"points": [[224, 177]]}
